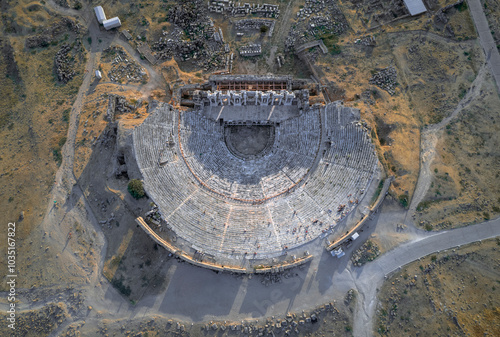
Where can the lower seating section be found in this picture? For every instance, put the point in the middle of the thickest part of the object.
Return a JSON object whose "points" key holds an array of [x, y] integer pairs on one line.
{"points": [[226, 206], [295, 148]]}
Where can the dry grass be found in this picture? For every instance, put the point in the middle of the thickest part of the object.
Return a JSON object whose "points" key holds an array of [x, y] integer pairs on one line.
{"points": [[428, 90], [465, 187], [39, 322], [451, 293], [32, 119]]}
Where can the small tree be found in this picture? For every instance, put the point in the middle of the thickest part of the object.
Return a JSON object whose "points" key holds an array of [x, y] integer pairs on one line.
{"points": [[264, 29], [136, 189]]}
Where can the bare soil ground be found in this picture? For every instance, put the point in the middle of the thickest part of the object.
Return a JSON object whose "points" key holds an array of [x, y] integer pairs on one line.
{"points": [[453, 292], [424, 94], [465, 175], [34, 113]]}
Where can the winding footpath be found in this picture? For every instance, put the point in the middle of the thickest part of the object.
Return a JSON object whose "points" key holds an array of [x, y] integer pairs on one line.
{"points": [[429, 139]]}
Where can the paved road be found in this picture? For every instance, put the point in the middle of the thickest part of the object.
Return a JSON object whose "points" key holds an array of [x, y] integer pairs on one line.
{"points": [[195, 294], [369, 278], [486, 39]]}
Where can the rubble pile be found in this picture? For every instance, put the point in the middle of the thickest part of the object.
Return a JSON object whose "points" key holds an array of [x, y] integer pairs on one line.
{"points": [[385, 79], [366, 41], [255, 25], [194, 37], [153, 215], [316, 18], [292, 323], [366, 253], [380, 11], [253, 49], [64, 64], [367, 97], [231, 8], [124, 69], [50, 35], [272, 278], [119, 104], [389, 10], [109, 221]]}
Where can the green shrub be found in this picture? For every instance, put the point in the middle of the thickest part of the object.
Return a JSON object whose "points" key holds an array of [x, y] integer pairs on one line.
{"points": [[136, 189], [403, 200]]}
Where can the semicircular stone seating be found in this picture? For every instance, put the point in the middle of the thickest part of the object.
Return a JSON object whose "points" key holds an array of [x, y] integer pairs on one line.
{"points": [[229, 207]]}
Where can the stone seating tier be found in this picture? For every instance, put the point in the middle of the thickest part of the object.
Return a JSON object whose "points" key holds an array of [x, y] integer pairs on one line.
{"points": [[231, 208]]}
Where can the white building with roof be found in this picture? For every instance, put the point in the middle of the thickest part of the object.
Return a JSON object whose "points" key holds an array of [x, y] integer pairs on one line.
{"points": [[99, 13], [112, 23], [415, 7]]}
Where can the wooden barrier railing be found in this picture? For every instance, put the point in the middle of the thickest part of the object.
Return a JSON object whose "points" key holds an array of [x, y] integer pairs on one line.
{"points": [[232, 269], [360, 224]]}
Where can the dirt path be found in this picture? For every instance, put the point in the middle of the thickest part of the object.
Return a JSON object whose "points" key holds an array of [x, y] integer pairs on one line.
{"points": [[430, 137], [67, 200], [283, 25], [155, 81], [371, 280], [222, 296]]}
